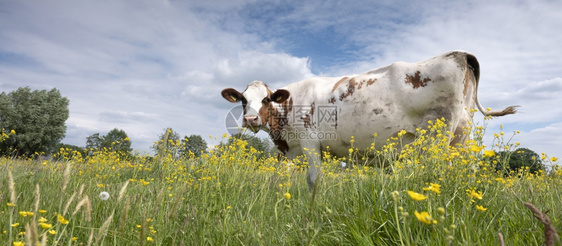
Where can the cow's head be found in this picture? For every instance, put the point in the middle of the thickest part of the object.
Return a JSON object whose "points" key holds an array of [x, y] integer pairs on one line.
{"points": [[257, 101]]}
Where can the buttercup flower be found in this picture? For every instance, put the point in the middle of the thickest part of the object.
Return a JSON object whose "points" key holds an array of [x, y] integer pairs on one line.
{"points": [[45, 225], [489, 153], [416, 196], [480, 208], [434, 187], [425, 218]]}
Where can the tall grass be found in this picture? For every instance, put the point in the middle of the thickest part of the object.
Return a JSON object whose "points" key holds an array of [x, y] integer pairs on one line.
{"points": [[430, 194]]}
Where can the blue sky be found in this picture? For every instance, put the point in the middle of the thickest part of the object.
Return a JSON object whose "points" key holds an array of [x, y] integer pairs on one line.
{"points": [[146, 65]]}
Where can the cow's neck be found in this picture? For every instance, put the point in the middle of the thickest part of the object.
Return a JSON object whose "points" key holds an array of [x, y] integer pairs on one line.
{"points": [[277, 121]]}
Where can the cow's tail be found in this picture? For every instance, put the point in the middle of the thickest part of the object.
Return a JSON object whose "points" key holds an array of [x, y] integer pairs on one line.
{"points": [[475, 67]]}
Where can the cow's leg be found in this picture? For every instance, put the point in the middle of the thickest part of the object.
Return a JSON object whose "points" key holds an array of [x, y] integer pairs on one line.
{"points": [[312, 152]]}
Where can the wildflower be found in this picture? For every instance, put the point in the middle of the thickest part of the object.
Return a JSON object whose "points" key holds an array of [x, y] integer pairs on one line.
{"points": [[287, 196], [104, 195], [15, 224], [74, 238], [489, 153], [12, 132], [425, 218], [149, 239], [475, 148], [19, 243], [474, 194], [42, 211], [11, 204], [416, 196], [42, 220], [478, 207], [434, 187], [553, 159], [62, 220], [45, 225], [441, 210], [52, 232]]}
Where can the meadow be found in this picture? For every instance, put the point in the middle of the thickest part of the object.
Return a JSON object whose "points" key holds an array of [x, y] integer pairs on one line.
{"points": [[428, 194]]}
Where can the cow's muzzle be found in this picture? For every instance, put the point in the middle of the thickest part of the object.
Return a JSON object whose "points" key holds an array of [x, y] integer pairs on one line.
{"points": [[252, 122]]}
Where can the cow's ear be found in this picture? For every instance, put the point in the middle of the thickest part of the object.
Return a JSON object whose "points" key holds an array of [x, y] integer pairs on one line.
{"points": [[231, 95], [279, 96]]}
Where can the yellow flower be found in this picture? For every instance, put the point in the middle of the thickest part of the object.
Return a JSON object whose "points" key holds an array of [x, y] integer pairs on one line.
{"points": [[474, 194], [475, 148], [15, 224], [434, 187], [287, 196], [425, 218], [45, 225], [11, 204], [62, 220], [12, 132], [553, 159], [19, 243], [149, 239], [478, 207], [416, 196], [489, 153], [42, 220], [42, 211], [52, 232], [74, 238]]}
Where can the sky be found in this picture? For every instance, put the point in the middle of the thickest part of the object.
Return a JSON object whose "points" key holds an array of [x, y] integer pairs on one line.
{"points": [[143, 66]]}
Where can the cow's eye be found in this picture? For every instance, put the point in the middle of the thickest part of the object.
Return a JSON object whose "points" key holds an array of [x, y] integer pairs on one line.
{"points": [[266, 100]]}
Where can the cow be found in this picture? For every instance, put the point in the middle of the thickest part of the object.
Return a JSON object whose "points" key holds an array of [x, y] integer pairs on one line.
{"points": [[315, 114]]}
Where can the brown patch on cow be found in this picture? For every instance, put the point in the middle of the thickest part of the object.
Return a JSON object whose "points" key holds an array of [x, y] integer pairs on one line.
{"points": [[264, 110], [277, 121], [338, 83], [332, 100], [350, 89], [307, 119], [416, 80], [371, 81], [468, 80]]}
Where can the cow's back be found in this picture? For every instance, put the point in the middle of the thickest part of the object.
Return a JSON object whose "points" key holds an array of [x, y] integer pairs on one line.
{"points": [[401, 96]]}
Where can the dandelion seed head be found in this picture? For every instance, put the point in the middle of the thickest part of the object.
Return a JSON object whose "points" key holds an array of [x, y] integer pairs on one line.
{"points": [[104, 195]]}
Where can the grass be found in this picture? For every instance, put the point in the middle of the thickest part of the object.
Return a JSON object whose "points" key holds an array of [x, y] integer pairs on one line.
{"points": [[229, 197]]}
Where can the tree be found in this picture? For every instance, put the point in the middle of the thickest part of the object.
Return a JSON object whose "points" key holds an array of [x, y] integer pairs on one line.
{"points": [[168, 142], [38, 119], [520, 158], [115, 140], [194, 144], [118, 140], [94, 141]]}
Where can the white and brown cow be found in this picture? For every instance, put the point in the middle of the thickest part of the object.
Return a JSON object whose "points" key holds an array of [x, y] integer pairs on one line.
{"points": [[315, 113]]}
